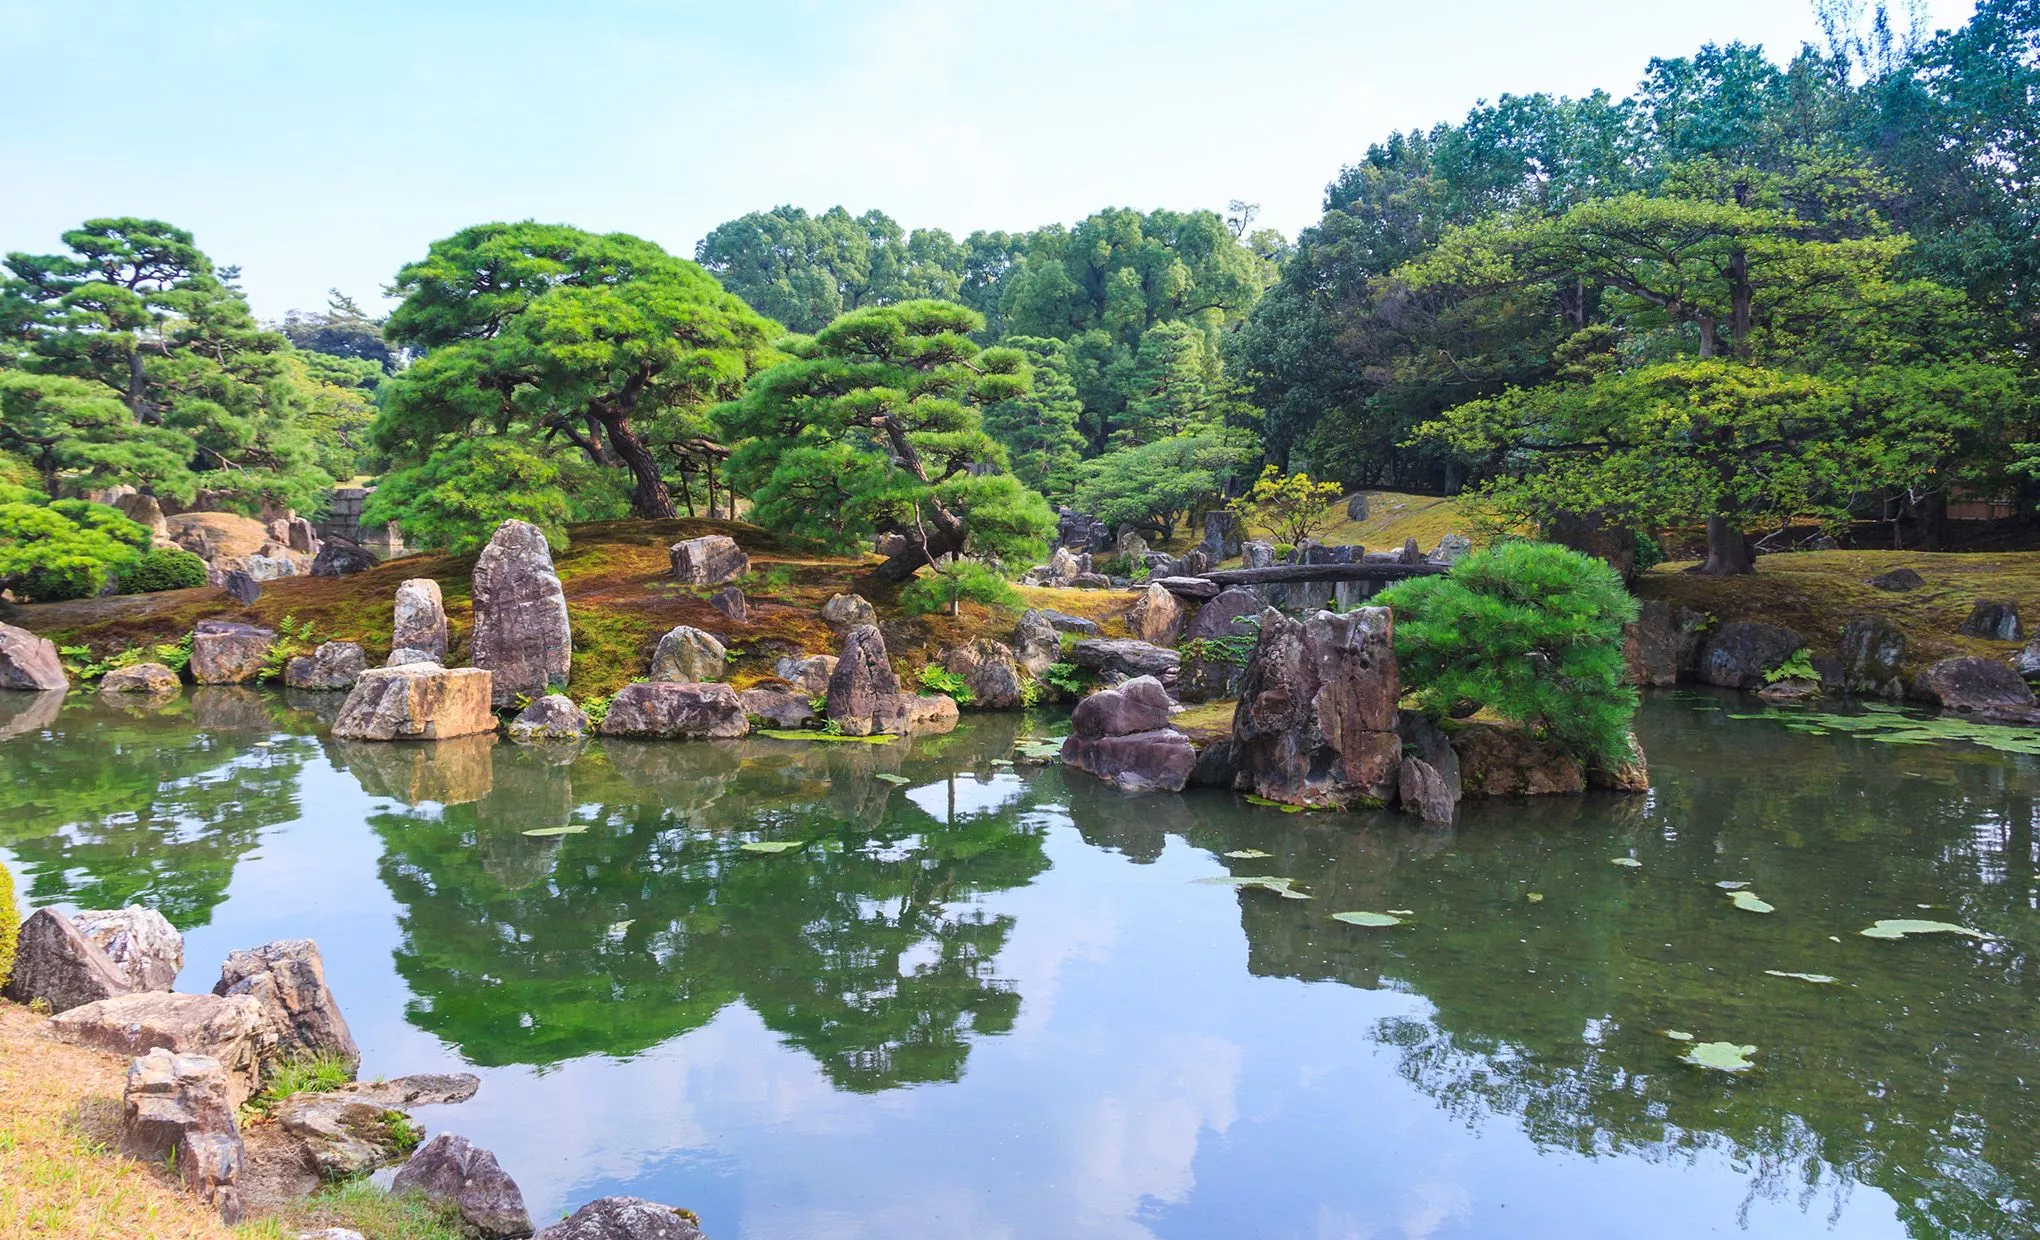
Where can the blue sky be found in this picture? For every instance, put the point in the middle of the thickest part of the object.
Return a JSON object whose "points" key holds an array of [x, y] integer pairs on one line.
{"points": [[325, 144]]}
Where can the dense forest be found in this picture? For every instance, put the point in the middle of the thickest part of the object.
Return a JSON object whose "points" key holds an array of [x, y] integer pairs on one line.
{"points": [[1748, 294]]}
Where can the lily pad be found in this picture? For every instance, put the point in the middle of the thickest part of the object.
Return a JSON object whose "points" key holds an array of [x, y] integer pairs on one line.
{"points": [[1750, 902], [1720, 1056], [1818, 979], [1535, 897], [788, 734], [1284, 806], [1367, 919], [1266, 882], [1404, 912], [772, 846], [1731, 884], [1626, 862], [620, 926], [1898, 928], [1039, 750], [1678, 1035], [543, 832], [1248, 854], [891, 778]]}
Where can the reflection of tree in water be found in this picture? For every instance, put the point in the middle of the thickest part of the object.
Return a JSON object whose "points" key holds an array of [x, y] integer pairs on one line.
{"points": [[147, 801], [1908, 1075], [865, 948]]}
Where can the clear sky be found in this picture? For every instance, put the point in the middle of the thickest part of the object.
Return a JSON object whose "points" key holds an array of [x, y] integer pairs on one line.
{"points": [[326, 144]]}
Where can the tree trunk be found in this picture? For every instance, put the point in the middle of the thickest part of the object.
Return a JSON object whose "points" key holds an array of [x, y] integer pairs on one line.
{"points": [[1710, 336], [138, 386], [1728, 551], [1933, 520], [649, 498], [1741, 298]]}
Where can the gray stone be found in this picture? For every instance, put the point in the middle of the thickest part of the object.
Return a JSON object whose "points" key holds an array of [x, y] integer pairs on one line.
{"points": [[1221, 535], [1316, 723], [625, 1218], [2028, 661], [730, 601], [521, 631], [168, 1096], [56, 964], [1122, 657], [807, 673], [301, 537], [687, 655], [140, 678], [1994, 620], [1451, 549], [242, 585], [419, 620], [1157, 617], [1662, 643], [1156, 761], [341, 557], [1972, 685], [1356, 506], [1064, 622], [990, 670], [864, 691], [1131, 546], [1739, 653], [929, 713], [407, 656], [1196, 588], [1422, 791], [1137, 705], [416, 702], [233, 1030], [777, 707], [670, 710], [451, 1170], [1898, 580], [1873, 652], [711, 560], [1258, 554], [417, 1090], [143, 946], [225, 653], [844, 612], [288, 978], [1036, 643], [333, 666], [553, 717], [342, 1136], [1095, 581]]}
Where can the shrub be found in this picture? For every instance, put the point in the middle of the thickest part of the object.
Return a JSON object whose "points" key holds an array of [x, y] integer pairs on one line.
{"points": [[1648, 553], [1531, 631], [69, 548], [10, 923], [943, 589], [161, 568], [937, 679], [1798, 667], [1290, 507]]}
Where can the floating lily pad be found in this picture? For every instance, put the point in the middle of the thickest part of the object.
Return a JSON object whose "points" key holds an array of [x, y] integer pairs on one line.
{"points": [[1001, 762], [1367, 919], [1248, 854], [1039, 750], [1266, 882], [1404, 912], [1626, 862], [1678, 1035], [1535, 897], [1731, 884], [1284, 806], [772, 846], [891, 778], [788, 734], [1750, 902], [1891, 726], [1720, 1056], [570, 829], [1818, 979], [621, 926], [1898, 928]]}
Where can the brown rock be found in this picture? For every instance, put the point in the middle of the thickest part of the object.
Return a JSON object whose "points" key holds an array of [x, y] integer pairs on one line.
{"points": [[1157, 617], [864, 692], [624, 1218], [1422, 791], [808, 674], [709, 560], [1632, 774], [233, 1030], [225, 653], [1496, 761], [1316, 722], [153, 678], [1137, 705], [730, 601], [341, 1136], [450, 1170], [687, 655], [420, 618], [169, 1096], [211, 1165], [553, 717], [144, 948], [341, 557], [55, 964], [990, 670], [521, 632], [1969, 685], [29, 662], [844, 612], [217, 535], [1155, 761], [777, 707], [1662, 643], [929, 714], [668, 710], [333, 666], [1121, 657], [418, 701], [288, 978]]}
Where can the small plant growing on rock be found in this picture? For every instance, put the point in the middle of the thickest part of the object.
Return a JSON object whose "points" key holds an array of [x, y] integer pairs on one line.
{"points": [[937, 679], [1798, 667], [1067, 677]]}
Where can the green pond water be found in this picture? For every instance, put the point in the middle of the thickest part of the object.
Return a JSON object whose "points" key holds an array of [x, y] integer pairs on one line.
{"points": [[984, 1000]]}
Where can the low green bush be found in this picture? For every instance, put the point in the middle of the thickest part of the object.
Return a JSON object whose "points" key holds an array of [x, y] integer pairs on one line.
{"points": [[968, 581], [1531, 631], [938, 679], [10, 923], [162, 568]]}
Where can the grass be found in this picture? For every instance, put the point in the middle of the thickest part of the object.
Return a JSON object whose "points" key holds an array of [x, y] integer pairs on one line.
{"points": [[1393, 516], [360, 1206], [303, 1074]]}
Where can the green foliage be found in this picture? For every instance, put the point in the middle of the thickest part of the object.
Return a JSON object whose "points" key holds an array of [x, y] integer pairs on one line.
{"points": [[293, 638], [1039, 427], [309, 1073], [937, 679], [362, 1206], [400, 1133], [1154, 486], [1531, 631], [65, 549], [597, 708], [1228, 648], [163, 568], [1798, 667], [10, 924], [1067, 677], [457, 496], [1648, 553], [1289, 508], [954, 583]]}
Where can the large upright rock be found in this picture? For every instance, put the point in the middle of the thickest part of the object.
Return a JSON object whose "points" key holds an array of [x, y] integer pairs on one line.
{"points": [[288, 978], [1316, 723], [452, 1171], [1157, 616], [226, 653], [624, 1218], [1739, 653], [1221, 535], [711, 560], [1222, 626], [1873, 652], [333, 666], [844, 612], [234, 1030], [1662, 643], [687, 655], [521, 632], [1037, 645], [57, 965], [864, 692], [420, 619], [991, 672], [29, 662], [416, 702], [141, 943], [668, 710]]}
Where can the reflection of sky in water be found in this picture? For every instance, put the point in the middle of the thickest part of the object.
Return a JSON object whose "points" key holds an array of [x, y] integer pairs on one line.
{"points": [[967, 796]]}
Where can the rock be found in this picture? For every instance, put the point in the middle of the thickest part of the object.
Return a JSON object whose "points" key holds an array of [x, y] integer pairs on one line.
{"points": [[1422, 791], [1597, 536], [730, 601], [1195, 588], [864, 692], [301, 537], [1064, 622], [1898, 580], [334, 665], [56, 964], [1740, 652], [1411, 553], [242, 586], [1094, 581], [1221, 535], [1138, 705], [420, 619], [273, 564], [144, 948], [624, 1218], [1131, 546], [1451, 549], [2027, 663], [1994, 620], [1064, 565], [1257, 554], [1662, 643], [406, 656], [1632, 774], [1157, 617], [1217, 767], [990, 670], [929, 714], [216, 535], [342, 557], [234, 1031], [777, 707], [29, 662], [331, 1233], [1424, 740], [416, 702], [1356, 506], [417, 1090], [342, 1136], [1981, 686], [1873, 652], [521, 631], [1316, 722], [1204, 676], [225, 653], [687, 655], [148, 511], [1495, 761], [450, 1170], [288, 978], [170, 1096], [807, 673], [710, 560], [1036, 643], [1121, 657], [671, 710], [553, 717], [210, 1164], [140, 678], [844, 612], [1157, 761]]}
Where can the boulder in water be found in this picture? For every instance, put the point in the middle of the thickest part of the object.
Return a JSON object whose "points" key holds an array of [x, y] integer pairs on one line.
{"points": [[451, 1171], [990, 671], [152, 678], [288, 978], [521, 632], [670, 710], [1739, 653], [416, 702], [334, 665], [1316, 722], [226, 653], [1873, 652], [624, 1218], [553, 717], [864, 691]]}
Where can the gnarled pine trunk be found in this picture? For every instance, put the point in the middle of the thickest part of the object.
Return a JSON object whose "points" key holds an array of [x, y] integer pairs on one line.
{"points": [[1728, 550]]}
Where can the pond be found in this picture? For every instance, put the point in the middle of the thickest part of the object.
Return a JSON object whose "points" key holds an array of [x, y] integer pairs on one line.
{"points": [[981, 999]]}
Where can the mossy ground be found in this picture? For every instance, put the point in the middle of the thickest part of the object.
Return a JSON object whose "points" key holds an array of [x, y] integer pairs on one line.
{"points": [[1392, 516]]}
